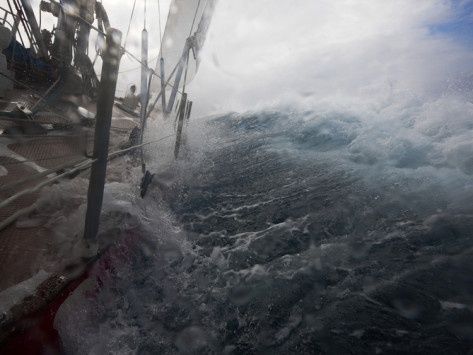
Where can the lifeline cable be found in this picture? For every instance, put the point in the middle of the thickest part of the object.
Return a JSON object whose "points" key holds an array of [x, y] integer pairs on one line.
{"points": [[129, 24]]}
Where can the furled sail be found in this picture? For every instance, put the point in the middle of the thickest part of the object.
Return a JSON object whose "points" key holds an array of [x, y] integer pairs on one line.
{"points": [[186, 19]]}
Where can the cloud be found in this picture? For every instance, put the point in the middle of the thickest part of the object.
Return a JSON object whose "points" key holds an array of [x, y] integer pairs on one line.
{"points": [[267, 53]]}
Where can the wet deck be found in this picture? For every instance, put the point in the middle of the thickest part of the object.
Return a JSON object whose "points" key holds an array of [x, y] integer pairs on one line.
{"points": [[26, 246]]}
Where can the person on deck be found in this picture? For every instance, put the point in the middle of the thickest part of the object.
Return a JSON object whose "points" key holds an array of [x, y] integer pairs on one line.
{"points": [[80, 15], [86, 10], [64, 38], [131, 100]]}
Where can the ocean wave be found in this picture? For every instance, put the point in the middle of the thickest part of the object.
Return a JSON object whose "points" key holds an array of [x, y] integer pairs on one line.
{"points": [[292, 232]]}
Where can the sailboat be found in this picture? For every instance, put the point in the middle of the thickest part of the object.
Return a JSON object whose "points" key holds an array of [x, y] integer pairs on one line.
{"points": [[46, 138]]}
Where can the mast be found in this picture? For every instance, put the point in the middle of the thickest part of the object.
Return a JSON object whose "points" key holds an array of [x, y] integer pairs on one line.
{"points": [[144, 94], [144, 68], [162, 71]]}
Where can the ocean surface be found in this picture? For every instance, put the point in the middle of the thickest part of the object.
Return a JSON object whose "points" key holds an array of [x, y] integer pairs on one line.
{"points": [[323, 231]]}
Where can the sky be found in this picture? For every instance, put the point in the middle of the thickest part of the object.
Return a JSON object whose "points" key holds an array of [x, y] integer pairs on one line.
{"points": [[267, 53], [461, 25], [281, 52]]}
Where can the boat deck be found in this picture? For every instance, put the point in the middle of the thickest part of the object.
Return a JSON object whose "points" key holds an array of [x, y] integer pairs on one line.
{"points": [[27, 247]]}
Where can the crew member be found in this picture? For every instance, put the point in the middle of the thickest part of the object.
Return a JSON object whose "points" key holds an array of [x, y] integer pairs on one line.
{"points": [[131, 100]]}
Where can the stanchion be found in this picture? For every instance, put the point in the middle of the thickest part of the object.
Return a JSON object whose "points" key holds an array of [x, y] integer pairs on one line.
{"points": [[105, 101], [182, 115]]}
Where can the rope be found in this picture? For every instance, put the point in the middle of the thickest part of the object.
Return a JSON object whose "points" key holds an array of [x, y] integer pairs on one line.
{"points": [[82, 166], [129, 24], [160, 30], [195, 16], [38, 176], [136, 68], [114, 154], [153, 73], [158, 96], [190, 33], [44, 183], [40, 17]]}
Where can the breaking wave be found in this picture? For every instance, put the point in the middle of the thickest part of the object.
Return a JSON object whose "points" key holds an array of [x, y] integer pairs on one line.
{"points": [[329, 230]]}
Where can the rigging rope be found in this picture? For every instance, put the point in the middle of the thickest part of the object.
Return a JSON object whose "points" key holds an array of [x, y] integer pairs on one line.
{"points": [[84, 165], [136, 68], [160, 30], [160, 93], [195, 16], [190, 33], [129, 24]]}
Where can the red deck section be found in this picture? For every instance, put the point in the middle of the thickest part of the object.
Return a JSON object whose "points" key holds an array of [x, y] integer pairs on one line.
{"points": [[38, 336]]}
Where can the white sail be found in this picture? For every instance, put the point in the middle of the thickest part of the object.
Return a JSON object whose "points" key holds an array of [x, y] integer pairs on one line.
{"points": [[186, 18]]}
